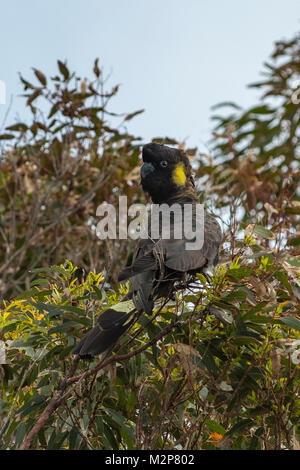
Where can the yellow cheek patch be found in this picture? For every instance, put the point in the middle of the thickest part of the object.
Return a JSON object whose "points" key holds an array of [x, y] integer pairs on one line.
{"points": [[178, 175]]}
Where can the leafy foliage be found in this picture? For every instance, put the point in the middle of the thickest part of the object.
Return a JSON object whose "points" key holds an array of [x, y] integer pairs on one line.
{"points": [[217, 368], [221, 359], [56, 171]]}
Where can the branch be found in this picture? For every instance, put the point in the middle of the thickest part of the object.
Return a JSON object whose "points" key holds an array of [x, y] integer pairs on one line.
{"points": [[60, 394], [29, 240]]}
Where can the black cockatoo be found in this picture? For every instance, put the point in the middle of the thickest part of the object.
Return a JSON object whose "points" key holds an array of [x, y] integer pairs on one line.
{"points": [[158, 263]]}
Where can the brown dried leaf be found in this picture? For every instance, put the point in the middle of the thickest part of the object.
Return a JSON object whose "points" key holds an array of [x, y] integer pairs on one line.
{"points": [[275, 355], [186, 353], [134, 175], [28, 183]]}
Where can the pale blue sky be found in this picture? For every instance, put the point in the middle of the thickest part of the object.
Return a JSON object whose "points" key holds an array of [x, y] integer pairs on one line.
{"points": [[174, 58]]}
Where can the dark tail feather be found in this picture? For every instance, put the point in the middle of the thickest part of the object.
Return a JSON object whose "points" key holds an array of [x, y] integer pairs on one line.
{"points": [[110, 327]]}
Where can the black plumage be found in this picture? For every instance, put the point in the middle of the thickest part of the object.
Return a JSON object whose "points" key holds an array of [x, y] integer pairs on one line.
{"points": [[159, 264]]}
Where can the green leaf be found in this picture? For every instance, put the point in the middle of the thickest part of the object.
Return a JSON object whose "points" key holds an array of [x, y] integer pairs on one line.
{"points": [[62, 328], [225, 317], [237, 295], [21, 432], [291, 322], [213, 426], [36, 402], [282, 277], [207, 361], [245, 340], [240, 272], [74, 438], [109, 436], [294, 262], [258, 307], [254, 443], [263, 232], [51, 310], [240, 426], [294, 241]]}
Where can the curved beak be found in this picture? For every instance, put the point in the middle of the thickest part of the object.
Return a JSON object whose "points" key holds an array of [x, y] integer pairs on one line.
{"points": [[146, 169]]}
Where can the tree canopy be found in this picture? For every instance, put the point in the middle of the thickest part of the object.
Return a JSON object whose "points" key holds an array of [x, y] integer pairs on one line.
{"points": [[218, 367]]}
